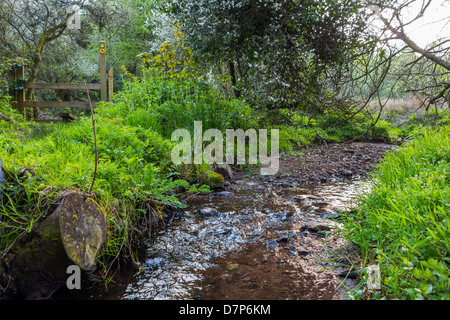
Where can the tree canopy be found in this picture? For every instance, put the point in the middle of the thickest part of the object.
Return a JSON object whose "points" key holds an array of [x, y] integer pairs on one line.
{"points": [[278, 52]]}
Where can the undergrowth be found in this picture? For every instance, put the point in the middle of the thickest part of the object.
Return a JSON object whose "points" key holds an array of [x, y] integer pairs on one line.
{"points": [[134, 158], [404, 222]]}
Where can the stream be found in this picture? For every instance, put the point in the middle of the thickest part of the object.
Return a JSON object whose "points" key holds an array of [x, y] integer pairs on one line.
{"points": [[258, 241]]}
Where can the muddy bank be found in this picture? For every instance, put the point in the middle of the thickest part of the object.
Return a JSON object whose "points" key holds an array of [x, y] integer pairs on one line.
{"points": [[324, 163]]}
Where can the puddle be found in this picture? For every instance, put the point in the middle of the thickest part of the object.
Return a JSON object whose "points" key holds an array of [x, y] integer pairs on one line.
{"points": [[253, 243]]}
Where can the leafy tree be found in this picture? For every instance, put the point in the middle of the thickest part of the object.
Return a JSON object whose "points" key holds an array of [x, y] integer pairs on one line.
{"points": [[278, 53], [38, 31], [427, 71]]}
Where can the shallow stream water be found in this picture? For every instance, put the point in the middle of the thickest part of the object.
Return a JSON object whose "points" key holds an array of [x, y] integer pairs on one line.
{"points": [[252, 243]]}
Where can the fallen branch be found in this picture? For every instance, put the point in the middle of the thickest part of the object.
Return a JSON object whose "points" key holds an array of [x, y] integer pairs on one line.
{"points": [[321, 137]]}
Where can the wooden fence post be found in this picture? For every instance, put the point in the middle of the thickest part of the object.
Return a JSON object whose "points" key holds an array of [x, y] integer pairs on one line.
{"points": [[11, 80], [16, 74], [103, 84], [110, 83]]}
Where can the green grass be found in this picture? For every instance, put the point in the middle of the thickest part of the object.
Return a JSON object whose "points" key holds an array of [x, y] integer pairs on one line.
{"points": [[403, 224], [134, 158]]}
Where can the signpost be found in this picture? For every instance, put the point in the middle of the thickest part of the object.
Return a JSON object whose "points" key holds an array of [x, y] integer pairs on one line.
{"points": [[103, 83]]}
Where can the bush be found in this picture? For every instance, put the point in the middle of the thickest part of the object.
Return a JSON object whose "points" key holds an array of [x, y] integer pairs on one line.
{"points": [[301, 130], [165, 103]]}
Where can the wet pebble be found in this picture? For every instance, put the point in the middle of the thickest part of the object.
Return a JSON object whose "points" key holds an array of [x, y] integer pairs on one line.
{"points": [[272, 244], [330, 216], [321, 234], [346, 173], [282, 239], [303, 252], [303, 234], [315, 227], [155, 262], [225, 194], [284, 184], [208, 212], [279, 216], [224, 233]]}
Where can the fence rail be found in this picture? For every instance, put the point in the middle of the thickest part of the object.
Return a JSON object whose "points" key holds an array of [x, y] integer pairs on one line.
{"points": [[56, 104], [61, 86]]}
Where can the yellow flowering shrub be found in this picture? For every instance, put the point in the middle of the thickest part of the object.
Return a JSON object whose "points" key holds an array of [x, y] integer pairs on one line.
{"points": [[128, 73], [174, 59]]}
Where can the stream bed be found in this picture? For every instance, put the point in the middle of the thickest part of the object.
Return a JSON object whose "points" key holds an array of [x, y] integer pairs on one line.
{"points": [[255, 242]]}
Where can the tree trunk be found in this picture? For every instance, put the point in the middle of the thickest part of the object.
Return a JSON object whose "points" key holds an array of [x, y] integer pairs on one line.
{"points": [[236, 91], [73, 234]]}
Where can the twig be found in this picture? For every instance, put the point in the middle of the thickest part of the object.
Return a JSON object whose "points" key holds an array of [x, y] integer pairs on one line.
{"points": [[95, 138], [321, 137]]}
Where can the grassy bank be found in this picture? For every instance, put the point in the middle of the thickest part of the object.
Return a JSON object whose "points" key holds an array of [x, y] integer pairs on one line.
{"points": [[403, 224], [135, 179]]}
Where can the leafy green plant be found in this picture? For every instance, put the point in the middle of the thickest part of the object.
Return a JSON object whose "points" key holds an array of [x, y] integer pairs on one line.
{"points": [[403, 223], [134, 157]]}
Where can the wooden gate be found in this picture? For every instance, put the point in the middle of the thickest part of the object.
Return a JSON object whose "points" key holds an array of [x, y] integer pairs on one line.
{"points": [[17, 77]]}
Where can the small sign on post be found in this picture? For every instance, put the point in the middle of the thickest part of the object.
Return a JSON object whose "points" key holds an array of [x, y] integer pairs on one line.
{"points": [[103, 83]]}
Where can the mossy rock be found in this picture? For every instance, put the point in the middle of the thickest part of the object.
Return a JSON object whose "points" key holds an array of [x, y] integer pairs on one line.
{"points": [[214, 180], [83, 229]]}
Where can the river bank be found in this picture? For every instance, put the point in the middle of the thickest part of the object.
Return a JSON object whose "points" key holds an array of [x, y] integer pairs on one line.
{"points": [[273, 237]]}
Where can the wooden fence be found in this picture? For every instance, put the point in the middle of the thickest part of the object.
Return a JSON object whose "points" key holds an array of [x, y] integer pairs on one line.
{"points": [[17, 77]]}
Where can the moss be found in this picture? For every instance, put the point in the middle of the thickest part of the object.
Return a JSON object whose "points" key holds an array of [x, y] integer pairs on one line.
{"points": [[214, 180], [50, 232]]}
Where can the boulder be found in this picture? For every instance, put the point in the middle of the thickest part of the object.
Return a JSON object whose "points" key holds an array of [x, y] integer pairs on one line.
{"points": [[214, 180], [225, 170]]}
